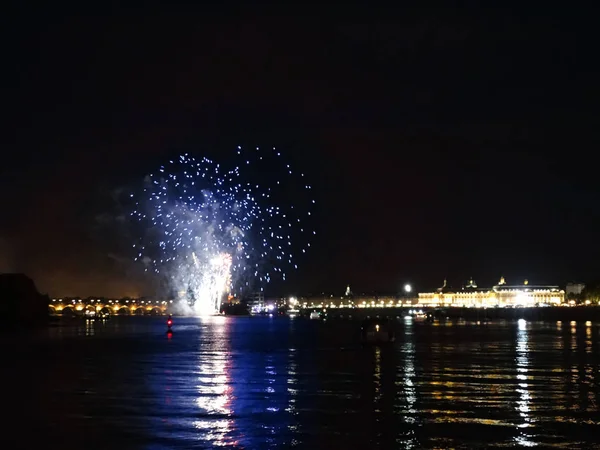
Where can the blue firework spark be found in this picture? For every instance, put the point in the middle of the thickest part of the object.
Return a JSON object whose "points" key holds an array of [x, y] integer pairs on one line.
{"points": [[193, 209]]}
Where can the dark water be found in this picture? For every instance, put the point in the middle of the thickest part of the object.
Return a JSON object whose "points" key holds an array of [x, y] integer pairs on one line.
{"points": [[280, 383]]}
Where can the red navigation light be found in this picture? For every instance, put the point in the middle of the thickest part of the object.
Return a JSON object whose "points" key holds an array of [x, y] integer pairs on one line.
{"points": [[169, 322]]}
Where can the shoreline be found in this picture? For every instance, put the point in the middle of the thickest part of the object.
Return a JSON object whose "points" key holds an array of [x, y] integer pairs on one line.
{"points": [[573, 313]]}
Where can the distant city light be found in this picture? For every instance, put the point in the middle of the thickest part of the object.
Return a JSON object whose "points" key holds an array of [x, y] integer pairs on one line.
{"points": [[407, 288]]}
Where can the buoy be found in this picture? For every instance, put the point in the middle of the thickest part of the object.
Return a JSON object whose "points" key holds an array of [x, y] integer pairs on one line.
{"points": [[169, 325]]}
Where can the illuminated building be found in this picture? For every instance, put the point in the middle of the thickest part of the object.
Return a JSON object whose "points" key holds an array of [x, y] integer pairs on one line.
{"points": [[354, 301], [257, 303], [501, 295], [574, 288]]}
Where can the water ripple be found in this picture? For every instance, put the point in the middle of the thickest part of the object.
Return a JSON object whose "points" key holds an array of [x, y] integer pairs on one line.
{"points": [[279, 383]]}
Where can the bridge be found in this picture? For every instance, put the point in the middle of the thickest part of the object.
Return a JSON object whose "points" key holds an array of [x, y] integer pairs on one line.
{"points": [[110, 307]]}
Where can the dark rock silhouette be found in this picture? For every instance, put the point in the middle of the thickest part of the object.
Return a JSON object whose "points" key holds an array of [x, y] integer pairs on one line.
{"points": [[21, 301]]}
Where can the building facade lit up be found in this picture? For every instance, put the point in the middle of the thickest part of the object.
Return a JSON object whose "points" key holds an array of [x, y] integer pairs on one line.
{"points": [[500, 295], [351, 300]]}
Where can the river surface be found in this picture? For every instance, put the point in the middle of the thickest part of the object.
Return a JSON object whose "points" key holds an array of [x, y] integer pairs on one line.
{"points": [[258, 383]]}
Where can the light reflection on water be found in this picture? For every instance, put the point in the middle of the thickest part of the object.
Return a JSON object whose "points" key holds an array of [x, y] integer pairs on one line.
{"points": [[280, 383], [292, 392], [409, 393], [214, 389], [523, 403]]}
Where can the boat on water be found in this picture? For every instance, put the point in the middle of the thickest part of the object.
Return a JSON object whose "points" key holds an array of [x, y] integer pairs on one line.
{"points": [[315, 315], [377, 331], [416, 315]]}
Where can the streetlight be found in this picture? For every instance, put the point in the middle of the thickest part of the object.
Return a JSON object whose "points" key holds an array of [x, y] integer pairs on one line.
{"points": [[407, 291]]}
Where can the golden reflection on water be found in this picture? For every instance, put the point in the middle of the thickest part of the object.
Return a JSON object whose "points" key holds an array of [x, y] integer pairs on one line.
{"points": [[214, 387], [89, 327], [524, 384], [573, 344], [377, 380]]}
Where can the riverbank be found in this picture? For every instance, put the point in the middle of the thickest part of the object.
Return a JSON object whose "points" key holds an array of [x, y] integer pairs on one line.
{"points": [[576, 313]]}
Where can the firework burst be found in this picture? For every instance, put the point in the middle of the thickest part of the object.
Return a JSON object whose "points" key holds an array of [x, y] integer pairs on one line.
{"points": [[212, 229]]}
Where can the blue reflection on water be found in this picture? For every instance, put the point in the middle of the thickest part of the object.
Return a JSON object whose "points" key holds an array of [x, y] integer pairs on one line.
{"points": [[241, 398]]}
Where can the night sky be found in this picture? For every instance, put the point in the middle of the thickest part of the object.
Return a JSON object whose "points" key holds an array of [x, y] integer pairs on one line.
{"points": [[441, 143]]}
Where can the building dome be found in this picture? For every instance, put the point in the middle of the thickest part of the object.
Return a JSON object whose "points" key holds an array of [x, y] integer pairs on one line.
{"points": [[472, 284]]}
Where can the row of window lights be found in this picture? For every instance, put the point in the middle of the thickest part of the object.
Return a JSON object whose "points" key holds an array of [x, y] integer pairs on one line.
{"points": [[382, 305], [149, 302], [361, 305]]}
